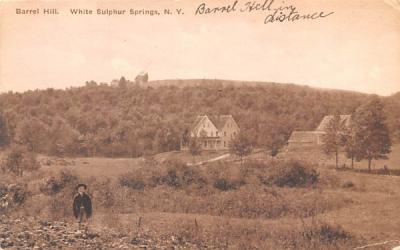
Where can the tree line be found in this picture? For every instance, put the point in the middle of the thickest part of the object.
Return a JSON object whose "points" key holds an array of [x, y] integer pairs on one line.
{"points": [[142, 119]]}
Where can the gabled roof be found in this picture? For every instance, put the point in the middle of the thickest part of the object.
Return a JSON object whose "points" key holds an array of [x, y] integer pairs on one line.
{"points": [[219, 121], [196, 123], [344, 119]]}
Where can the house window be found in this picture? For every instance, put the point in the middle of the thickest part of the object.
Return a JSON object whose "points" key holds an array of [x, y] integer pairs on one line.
{"points": [[224, 144], [216, 133], [205, 144], [224, 133], [212, 134]]}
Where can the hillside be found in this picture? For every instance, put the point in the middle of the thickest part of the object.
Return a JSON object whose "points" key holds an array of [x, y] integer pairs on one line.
{"points": [[142, 119]]}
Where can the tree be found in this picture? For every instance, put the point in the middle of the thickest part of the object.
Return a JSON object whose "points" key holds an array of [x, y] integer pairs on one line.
{"points": [[89, 84], [18, 159], [333, 139], [142, 78], [241, 146], [194, 147], [185, 137], [4, 137], [371, 132], [122, 83], [350, 142], [62, 138], [32, 133], [272, 138]]}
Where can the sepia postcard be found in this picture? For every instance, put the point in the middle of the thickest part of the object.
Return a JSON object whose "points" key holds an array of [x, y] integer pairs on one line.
{"points": [[200, 124]]}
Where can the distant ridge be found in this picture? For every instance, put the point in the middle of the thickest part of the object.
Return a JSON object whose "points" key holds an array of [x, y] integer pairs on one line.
{"points": [[199, 82], [238, 83]]}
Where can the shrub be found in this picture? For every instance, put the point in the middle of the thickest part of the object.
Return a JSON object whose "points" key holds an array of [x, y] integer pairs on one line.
{"points": [[173, 173], [131, 181], [318, 236], [226, 176], [225, 185], [12, 196], [177, 174], [330, 234], [348, 184], [19, 194], [54, 185], [292, 174], [18, 159], [325, 234]]}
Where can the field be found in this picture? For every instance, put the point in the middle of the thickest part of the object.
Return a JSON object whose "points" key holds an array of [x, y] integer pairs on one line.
{"points": [[220, 205]]}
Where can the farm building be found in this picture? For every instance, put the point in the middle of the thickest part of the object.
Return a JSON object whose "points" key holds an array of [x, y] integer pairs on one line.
{"points": [[212, 132], [301, 139]]}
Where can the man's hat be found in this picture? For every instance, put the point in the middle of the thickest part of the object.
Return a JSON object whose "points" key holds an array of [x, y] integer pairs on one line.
{"points": [[81, 185]]}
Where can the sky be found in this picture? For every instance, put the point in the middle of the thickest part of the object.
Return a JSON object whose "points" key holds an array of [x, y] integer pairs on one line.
{"points": [[356, 48]]}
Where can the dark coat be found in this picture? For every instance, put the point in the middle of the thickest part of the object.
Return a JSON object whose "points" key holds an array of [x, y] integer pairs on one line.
{"points": [[84, 201]]}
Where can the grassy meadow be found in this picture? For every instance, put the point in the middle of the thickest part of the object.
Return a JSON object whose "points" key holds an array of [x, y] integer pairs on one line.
{"points": [[264, 203]]}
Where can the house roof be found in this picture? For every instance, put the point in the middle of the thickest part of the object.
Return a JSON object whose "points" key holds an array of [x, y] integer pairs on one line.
{"points": [[219, 121], [195, 124], [344, 119]]}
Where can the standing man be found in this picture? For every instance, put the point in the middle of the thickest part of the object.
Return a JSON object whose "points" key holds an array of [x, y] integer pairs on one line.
{"points": [[82, 204]]}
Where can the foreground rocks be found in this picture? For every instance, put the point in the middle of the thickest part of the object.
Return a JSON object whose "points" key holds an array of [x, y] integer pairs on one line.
{"points": [[26, 233]]}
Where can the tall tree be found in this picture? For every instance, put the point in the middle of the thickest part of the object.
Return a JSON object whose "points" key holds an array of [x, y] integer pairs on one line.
{"points": [[350, 141], [122, 83], [4, 137], [194, 147], [333, 139], [241, 146], [371, 132], [32, 133]]}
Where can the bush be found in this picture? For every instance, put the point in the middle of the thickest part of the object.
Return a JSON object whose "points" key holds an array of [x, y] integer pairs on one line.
{"points": [[18, 159], [292, 174], [177, 174], [19, 194], [319, 236], [131, 181], [326, 234], [173, 173], [225, 185], [330, 234], [348, 184], [54, 185], [12, 196]]}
